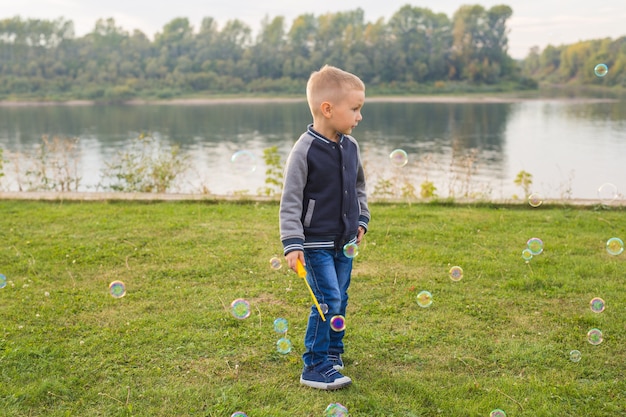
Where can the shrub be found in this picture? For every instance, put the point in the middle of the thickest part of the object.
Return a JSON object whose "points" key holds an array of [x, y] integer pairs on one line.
{"points": [[54, 166], [145, 167], [273, 172]]}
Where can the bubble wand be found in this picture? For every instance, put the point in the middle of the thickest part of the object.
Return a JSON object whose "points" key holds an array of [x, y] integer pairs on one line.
{"points": [[302, 274]]}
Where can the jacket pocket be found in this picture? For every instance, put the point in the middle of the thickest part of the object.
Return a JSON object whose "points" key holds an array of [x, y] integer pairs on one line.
{"points": [[309, 213]]}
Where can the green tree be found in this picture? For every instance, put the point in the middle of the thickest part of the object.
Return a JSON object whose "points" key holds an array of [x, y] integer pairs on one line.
{"points": [[332, 42], [380, 52], [206, 44], [300, 44], [39, 58], [422, 43], [268, 54], [480, 43], [175, 44]]}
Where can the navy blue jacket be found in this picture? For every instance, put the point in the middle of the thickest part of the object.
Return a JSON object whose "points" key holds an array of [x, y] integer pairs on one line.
{"points": [[324, 197]]}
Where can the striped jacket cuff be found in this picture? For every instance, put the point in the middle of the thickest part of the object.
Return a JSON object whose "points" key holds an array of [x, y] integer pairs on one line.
{"points": [[290, 245], [363, 222]]}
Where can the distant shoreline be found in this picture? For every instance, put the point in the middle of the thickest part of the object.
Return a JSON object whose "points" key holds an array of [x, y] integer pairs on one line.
{"points": [[261, 100]]}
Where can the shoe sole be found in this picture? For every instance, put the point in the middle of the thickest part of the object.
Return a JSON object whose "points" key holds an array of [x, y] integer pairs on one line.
{"points": [[337, 384]]}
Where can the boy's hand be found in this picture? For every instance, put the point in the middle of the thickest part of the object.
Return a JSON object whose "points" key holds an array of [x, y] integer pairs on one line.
{"points": [[360, 235], [292, 257]]}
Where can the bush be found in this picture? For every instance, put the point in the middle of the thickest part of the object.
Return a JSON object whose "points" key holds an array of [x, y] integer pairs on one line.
{"points": [[54, 166], [146, 167], [527, 83], [119, 93], [92, 93]]}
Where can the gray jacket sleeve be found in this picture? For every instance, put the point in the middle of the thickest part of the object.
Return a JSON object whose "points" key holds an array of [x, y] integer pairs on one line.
{"points": [[361, 190]]}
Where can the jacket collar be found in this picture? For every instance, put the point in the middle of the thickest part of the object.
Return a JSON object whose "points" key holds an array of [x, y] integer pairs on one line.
{"points": [[321, 137]]}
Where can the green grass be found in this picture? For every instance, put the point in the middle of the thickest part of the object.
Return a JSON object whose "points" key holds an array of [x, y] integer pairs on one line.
{"points": [[499, 338]]}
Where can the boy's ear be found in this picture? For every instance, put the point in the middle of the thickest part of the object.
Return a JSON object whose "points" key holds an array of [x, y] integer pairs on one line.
{"points": [[326, 109]]}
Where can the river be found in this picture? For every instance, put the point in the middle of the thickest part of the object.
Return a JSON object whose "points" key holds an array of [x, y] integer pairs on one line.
{"points": [[461, 148]]}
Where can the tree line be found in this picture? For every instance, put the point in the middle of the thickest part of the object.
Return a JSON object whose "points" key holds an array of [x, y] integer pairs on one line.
{"points": [[415, 47], [575, 63]]}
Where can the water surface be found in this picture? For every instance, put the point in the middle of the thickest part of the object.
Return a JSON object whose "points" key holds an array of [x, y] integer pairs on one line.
{"points": [[465, 149]]}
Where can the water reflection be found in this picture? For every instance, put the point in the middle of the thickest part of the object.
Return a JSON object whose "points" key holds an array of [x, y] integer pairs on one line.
{"points": [[473, 149], [184, 125], [600, 112], [450, 144]]}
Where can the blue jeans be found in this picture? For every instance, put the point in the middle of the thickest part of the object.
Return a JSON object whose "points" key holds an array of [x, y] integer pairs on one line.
{"points": [[328, 274]]}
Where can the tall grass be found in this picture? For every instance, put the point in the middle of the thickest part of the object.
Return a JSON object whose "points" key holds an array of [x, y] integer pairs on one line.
{"points": [[499, 338]]}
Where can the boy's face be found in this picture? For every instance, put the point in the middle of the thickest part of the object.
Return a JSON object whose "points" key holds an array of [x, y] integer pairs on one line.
{"points": [[346, 114]]}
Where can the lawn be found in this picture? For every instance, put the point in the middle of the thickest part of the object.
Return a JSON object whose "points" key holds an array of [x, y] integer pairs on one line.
{"points": [[499, 338]]}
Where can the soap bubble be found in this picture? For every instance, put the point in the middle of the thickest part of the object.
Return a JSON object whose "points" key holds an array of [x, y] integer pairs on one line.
{"points": [[527, 255], [497, 413], [398, 157], [456, 273], [275, 263], [535, 245], [338, 323], [607, 193], [243, 162], [601, 70], [614, 246], [424, 299], [575, 355], [594, 336], [238, 414], [117, 289], [240, 309], [535, 200], [350, 250], [281, 325], [3, 281], [597, 305], [336, 410], [283, 345], [324, 308]]}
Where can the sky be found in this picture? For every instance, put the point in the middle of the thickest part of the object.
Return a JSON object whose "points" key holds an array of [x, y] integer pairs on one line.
{"points": [[534, 22]]}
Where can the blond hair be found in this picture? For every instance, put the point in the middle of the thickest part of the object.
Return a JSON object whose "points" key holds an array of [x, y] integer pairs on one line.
{"points": [[330, 84]]}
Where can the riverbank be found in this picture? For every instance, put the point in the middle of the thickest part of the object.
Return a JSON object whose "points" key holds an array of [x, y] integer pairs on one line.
{"points": [[164, 197], [206, 101]]}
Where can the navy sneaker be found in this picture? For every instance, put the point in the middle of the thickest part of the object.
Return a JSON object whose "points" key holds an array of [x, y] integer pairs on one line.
{"points": [[335, 359], [324, 377]]}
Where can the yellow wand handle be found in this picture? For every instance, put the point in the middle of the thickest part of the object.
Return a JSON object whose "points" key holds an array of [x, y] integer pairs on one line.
{"points": [[302, 274]]}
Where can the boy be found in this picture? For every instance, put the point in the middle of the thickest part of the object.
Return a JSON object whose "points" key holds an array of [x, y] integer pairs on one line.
{"points": [[323, 207]]}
